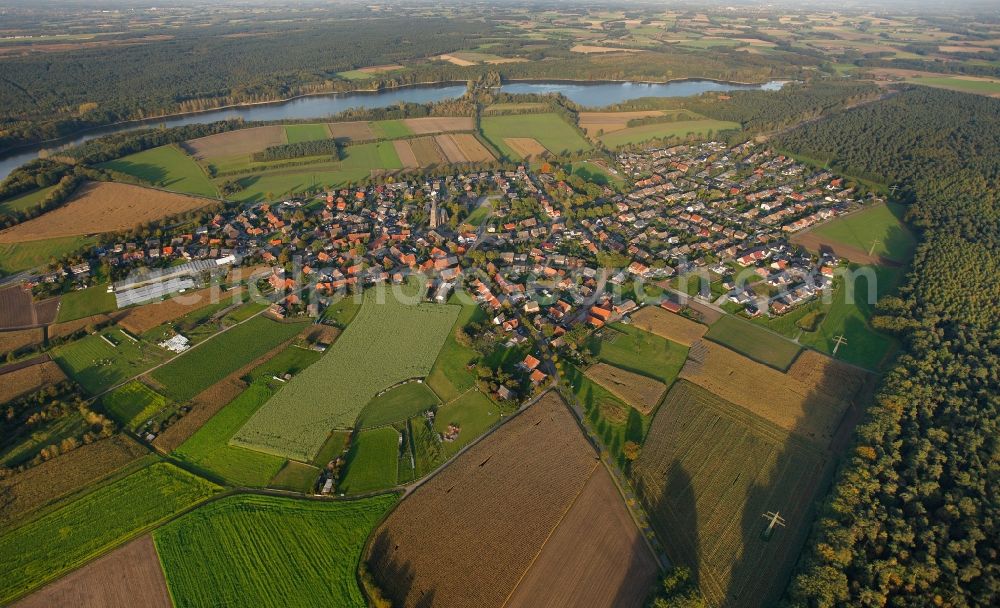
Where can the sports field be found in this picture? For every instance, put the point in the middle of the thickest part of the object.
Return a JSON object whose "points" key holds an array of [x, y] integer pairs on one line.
{"points": [[754, 342], [166, 167], [875, 231], [268, 551], [101, 360], [550, 130], [372, 462], [385, 344], [679, 129]]}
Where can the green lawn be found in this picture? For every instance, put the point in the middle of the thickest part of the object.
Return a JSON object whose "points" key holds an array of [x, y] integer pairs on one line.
{"points": [[391, 129], [307, 132], [97, 365], [754, 342], [296, 477], [550, 130], [72, 535], [478, 215], [875, 230], [133, 403], [474, 413], [23, 202], [680, 129], [86, 302], [166, 167], [372, 461], [269, 551], [15, 257], [449, 377], [635, 350], [397, 404], [206, 364]]}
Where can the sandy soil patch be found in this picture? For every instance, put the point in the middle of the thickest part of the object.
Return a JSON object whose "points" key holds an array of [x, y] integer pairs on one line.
{"points": [[439, 124], [405, 154], [524, 146], [358, 130], [234, 143], [29, 379], [668, 325], [103, 207]]}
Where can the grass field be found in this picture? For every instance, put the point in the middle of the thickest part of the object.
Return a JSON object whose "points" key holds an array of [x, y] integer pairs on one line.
{"points": [[23, 202], [203, 366], [752, 341], [679, 129], [474, 413], [296, 477], [167, 167], [965, 85], [372, 462], [877, 230], [449, 377], [384, 345], [68, 537], [97, 365], [307, 132], [133, 403], [548, 129], [638, 351], [391, 129], [15, 257], [397, 404], [86, 302], [268, 551]]}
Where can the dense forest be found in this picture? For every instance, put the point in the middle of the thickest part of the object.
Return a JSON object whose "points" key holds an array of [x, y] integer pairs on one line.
{"points": [[913, 518]]}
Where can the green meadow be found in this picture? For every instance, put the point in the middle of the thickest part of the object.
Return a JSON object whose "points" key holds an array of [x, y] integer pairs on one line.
{"points": [[166, 167]]}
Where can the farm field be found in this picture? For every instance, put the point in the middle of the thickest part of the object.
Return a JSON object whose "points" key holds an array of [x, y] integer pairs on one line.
{"points": [[391, 129], [427, 151], [166, 167], [633, 135], [610, 418], [608, 122], [482, 498], [966, 84], [359, 130], [875, 231], [372, 462], [306, 132], [116, 579], [29, 379], [439, 124], [85, 303], [525, 147], [103, 207], [19, 310], [24, 202], [705, 498], [398, 404], [15, 257], [97, 365], [405, 153], [549, 130], [12, 341], [133, 403], [474, 413], [140, 319], [61, 540], [641, 392], [666, 324], [296, 477], [206, 364], [638, 351], [268, 551], [241, 142], [753, 342], [384, 345], [463, 148]]}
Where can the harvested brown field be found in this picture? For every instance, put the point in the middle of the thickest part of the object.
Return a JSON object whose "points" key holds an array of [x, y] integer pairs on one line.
{"points": [[19, 310], [141, 319], [668, 325], [103, 207], [29, 379], [236, 143], [11, 341], [405, 154], [641, 392], [439, 124], [583, 564], [457, 148], [127, 576], [358, 130], [707, 473], [805, 404], [524, 146], [592, 122], [427, 151], [814, 242], [61, 330], [23, 493], [451, 150], [508, 493], [588, 49]]}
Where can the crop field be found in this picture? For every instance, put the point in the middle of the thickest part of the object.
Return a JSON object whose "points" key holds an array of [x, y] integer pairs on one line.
{"points": [[103, 207], [12, 341], [638, 351], [510, 492], [608, 122], [18, 310], [391, 129], [358, 130], [87, 302], [116, 579], [641, 392], [372, 462], [405, 152], [296, 477], [784, 400], [474, 413], [668, 325], [463, 148], [133, 403], [525, 147], [97, 365], [706, 498], [427, 151], [384, 345], [206, 364], [703, 127], [397, 404], [268, 551], [242, 142], [61, 540], [753, 342], [549, 130], [166, 167], [306, 132], [439, 124], [15, 257], [876, 231], [24, 202]]}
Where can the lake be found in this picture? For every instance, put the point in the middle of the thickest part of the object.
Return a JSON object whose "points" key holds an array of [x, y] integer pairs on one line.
{"points": [[320, 106]]}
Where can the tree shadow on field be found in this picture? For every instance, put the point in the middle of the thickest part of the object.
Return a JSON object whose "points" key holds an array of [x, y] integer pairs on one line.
{"points": [[393, 576]]}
